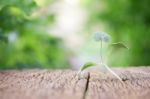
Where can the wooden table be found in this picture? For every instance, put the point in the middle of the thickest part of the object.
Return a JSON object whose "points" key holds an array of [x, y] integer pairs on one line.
{"points": [[63, 84]]}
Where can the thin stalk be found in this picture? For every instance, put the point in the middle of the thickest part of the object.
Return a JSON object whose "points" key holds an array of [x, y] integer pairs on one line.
{"points": [[113, 72], [101, 52]]}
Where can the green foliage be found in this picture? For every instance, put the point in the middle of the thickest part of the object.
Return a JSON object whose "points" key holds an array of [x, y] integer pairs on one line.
{"points": [[118, 45], [87, 65], [23, 41], [127, 21], [26, 5]]}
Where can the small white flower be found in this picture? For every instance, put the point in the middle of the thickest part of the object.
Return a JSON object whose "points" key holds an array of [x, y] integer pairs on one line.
{"points": [[101, 36]]}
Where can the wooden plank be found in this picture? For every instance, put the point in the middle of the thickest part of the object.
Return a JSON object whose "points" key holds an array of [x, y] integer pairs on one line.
{"points": [[62, 84], [104, 86], [41, 84]]}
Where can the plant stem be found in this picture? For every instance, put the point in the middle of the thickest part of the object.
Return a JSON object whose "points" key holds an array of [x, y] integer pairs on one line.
{"points": [[101, 52], [112, 72]]}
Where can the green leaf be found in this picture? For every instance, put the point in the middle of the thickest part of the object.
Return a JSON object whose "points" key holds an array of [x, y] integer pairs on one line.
{"points": [[87, 65], [119, 45], [43, 3]]}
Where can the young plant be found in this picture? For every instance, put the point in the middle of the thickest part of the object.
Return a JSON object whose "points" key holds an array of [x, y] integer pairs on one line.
{"points": [[103, 38]]}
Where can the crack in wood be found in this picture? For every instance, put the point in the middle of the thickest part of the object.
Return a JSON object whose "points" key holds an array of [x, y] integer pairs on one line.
{"points": [[86, 87], [50, 84]]}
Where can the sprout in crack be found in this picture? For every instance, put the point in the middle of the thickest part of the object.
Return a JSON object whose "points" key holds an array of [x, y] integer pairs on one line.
{"points": [[101, 37]]}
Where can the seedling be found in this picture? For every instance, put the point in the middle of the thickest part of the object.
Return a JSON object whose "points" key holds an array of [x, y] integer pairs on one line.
{"points": [[103, 38]]}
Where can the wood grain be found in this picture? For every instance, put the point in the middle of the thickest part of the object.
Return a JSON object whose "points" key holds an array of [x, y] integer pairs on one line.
{"points": [[63, 84], [41, 84], [136, 84]]}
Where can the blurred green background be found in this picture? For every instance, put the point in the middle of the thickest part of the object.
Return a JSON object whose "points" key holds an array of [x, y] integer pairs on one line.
{"points": [[57, 33]]}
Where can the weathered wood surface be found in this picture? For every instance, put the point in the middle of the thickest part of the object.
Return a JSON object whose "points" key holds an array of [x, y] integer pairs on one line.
{"points": [[136, 85], [62, 84], [41, 84]]}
